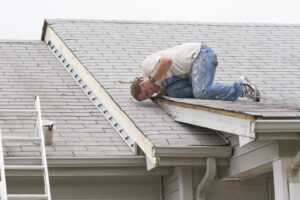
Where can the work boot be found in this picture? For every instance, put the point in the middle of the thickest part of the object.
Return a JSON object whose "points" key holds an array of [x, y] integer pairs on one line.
{"points": [[249, 90]]}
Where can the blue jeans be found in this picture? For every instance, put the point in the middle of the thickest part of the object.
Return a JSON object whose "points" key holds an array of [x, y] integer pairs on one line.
{"points": [[200, 85]]}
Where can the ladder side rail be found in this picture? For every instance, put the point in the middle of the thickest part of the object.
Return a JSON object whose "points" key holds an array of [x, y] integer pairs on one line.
{"points": [[3, 177], [43, 149]]}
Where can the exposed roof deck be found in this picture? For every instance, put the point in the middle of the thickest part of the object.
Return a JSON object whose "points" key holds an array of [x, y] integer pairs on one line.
{"points": [[267, 108]]}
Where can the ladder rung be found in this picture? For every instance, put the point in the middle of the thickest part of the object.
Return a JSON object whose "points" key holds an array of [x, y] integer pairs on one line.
{"points": [[17, 111], [43, 167], [24, 167], [21, 139], [27, 196]]}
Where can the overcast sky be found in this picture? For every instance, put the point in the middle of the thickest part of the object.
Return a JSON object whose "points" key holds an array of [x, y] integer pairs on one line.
{"points": [[23, 19]]}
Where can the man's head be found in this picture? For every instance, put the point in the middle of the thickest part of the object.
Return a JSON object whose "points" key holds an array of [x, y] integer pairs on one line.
{"points": [[140, 92]]}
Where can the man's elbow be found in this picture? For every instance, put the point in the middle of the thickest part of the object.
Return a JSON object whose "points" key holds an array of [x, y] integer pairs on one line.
{"points": [[166, 60]]}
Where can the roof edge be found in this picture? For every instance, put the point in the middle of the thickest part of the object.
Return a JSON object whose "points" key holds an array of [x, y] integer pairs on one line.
{"points": [[134, 21], [167, 100], [44, 29], [121, 161], [105, 166]]}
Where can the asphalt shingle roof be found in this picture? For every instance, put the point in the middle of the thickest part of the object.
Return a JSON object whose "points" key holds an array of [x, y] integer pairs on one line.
{"points": [[29, 68], [113, 50], [269, 54]]}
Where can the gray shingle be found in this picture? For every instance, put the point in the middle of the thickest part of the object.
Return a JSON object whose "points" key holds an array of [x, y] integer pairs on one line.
{"points": [[29, 68]]}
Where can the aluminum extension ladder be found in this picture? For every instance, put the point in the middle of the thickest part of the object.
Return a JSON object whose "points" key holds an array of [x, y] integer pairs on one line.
{"points": [[37, 139]]}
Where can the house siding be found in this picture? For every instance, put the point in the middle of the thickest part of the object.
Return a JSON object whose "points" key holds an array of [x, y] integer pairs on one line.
{"points": [[170, 186], [257, 188], [91, 188]]}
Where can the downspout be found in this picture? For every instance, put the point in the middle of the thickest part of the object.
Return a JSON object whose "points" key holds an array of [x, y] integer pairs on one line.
{"points": [[208, 178]]}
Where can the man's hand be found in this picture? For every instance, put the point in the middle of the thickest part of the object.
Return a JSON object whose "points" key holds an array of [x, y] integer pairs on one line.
{"points": [[148, 89], [148, 85]]}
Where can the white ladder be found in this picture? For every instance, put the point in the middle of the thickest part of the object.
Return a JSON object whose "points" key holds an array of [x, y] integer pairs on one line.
{"points": [[38, 138]]}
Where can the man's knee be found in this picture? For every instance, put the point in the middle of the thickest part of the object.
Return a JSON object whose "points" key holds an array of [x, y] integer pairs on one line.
{"points": [[200, 93]]}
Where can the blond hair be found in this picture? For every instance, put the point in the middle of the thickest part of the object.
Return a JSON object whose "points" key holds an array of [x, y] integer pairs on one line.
{"points": [[135, 88]]}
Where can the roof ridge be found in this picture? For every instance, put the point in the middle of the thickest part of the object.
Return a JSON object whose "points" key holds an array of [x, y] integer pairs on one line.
{"points": [[172, 22]]}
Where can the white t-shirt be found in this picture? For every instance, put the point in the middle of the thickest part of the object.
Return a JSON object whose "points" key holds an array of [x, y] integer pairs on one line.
{"points": [[182, 57]]}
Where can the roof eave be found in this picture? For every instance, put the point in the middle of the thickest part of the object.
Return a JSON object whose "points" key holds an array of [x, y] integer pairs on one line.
{"points": [[105, 166]]}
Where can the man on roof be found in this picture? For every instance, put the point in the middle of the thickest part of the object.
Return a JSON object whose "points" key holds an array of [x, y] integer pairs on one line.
{"points": [[187, 71]]}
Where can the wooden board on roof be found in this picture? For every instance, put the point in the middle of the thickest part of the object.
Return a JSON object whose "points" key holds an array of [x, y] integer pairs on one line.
{"points": [[267, 108]]}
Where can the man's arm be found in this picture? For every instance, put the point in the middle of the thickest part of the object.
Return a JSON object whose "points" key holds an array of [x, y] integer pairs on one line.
{"points": [[161, 69]]}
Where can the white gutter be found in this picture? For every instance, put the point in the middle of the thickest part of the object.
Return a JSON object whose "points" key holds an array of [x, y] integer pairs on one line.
{"points": [[275, 126], [121, 161], [111, 166], [193, 151], [208, 178]]}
